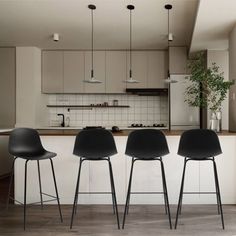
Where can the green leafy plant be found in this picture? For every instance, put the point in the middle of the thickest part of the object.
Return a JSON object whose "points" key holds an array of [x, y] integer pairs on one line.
{"points": [[207, 86]]}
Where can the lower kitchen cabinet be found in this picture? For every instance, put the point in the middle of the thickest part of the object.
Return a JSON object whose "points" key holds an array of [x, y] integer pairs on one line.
{"points": [[146, 175]]}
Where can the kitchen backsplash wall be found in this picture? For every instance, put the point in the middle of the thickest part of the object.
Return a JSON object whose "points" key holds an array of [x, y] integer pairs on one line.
{"points": [[143, 109]]}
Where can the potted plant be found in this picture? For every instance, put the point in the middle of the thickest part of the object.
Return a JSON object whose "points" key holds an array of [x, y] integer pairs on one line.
{"points": [[207, 89]]}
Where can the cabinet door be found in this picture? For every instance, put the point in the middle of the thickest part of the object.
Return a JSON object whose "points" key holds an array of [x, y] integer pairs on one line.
{"points": [[178, 60], [115, 71], [99, 72], [8, 87], [52, 72], [73, 72], [157, 69], [139, 69]]}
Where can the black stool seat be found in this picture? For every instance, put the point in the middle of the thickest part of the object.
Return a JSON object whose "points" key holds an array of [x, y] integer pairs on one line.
{"points": [[95, 145], [40, 156], [199, 145], [25, 143], [147, 145]]}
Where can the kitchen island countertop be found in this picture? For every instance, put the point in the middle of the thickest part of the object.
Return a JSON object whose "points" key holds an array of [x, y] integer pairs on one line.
{"points": [[125, 132]]}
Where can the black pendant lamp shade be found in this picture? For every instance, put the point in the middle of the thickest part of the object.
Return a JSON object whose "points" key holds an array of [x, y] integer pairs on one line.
{"points": [[130, 79], [92, 78], [168, 7]]}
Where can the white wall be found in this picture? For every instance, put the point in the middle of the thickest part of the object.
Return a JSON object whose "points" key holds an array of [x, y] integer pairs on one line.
{"points": [[221, 58], [147, 110], [30, 103], [232, 76]]}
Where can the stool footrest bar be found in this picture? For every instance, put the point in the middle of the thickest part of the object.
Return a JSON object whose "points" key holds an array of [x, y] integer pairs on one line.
{"points": [[199, 192], [147, 193], [94, 192]]}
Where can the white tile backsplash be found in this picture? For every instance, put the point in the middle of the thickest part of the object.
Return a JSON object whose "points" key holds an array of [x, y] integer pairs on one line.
{"points": [[143, 109]]}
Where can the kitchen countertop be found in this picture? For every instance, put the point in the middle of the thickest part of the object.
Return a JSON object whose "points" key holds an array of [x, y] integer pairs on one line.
{"points": [[71, 131]]}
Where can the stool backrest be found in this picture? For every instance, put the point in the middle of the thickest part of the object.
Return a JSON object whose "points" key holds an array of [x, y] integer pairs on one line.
{"points": [[25, 142], [146, 144], [94, 144], [199, 144]]}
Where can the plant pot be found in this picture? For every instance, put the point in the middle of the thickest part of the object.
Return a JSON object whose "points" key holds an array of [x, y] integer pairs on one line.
{"points": [[216, 121]]}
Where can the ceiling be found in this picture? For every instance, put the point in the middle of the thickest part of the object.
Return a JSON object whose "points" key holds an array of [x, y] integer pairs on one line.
{"points": [[32, 23], [215, 19]]}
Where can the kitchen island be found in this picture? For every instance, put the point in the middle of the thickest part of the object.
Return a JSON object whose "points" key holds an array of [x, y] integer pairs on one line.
{"points": [[146, 176]]}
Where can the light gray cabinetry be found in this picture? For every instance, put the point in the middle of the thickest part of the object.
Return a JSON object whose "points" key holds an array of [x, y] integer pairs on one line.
{"points": [[115, 71], [139, 69], [99, 72], [178, 60], [65, 71], [7, 88], [157, 69], [73, 72], [52, 71]]}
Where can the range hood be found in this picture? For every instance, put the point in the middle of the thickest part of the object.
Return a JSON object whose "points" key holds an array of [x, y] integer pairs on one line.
{"points": [[148, 91]]}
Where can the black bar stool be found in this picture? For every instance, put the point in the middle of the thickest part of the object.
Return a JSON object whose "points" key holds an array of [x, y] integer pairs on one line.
{"points": [[200, 145], [25, 143], [147, 145], [95, 145]]}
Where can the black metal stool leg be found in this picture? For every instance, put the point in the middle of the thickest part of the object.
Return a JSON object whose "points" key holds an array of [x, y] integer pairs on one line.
{"points": [[180, 207], [217, 196], [218, 193], [163, 184], [40, 185], [166, 192], [55, 184], [114, 193], [181, 193], [10, 184], [25, 192], [76, 194], [127, 210], [128, 192]]}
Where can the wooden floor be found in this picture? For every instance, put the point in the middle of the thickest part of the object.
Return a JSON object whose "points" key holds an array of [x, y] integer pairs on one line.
{"points": [[99, 220]]}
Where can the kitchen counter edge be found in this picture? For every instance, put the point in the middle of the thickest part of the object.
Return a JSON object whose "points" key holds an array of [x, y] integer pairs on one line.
{"points": [[73, 132]]}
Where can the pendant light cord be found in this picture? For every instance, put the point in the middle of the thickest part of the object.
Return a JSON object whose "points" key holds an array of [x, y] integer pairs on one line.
{"points": [[168, 44], [92, 75], [130, 45]]}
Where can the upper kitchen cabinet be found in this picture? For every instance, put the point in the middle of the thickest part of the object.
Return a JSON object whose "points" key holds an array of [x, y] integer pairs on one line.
{"points": [[178, 60], [73, 72], [139, 69], [115, 71], [99, 72], [52, 71], [157, 69], [8, 87]]}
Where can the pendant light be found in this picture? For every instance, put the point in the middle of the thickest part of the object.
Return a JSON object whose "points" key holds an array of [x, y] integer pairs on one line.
{"points": [[130, 79], [92, 79], [168, 7]]}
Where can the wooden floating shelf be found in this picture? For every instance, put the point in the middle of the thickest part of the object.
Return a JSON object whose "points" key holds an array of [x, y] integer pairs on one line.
{"points": [[88, 106]]}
